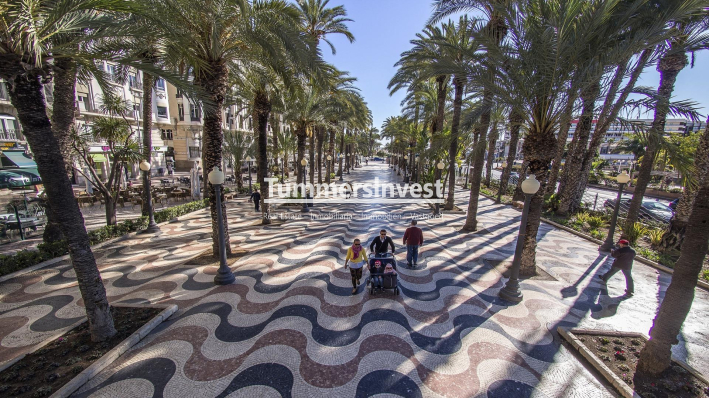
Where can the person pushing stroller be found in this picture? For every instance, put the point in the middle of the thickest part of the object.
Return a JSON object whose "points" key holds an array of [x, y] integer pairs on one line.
{"points": [[380, 244]]}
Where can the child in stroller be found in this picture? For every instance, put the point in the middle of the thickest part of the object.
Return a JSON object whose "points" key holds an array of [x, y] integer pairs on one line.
{"points": [[383, 274]]}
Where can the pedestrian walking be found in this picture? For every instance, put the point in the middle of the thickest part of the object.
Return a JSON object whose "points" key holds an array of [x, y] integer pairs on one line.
{"points": [[358, 256], [413, 238], [256, 198], [624, 256]]}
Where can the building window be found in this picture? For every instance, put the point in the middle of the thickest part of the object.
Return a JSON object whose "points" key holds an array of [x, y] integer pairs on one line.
{"points": [[194, 152], [166, 134], [133, 82], [179, 93], [162, 112], [181, 112], [83, 102], [160, 84], [195, 113]]}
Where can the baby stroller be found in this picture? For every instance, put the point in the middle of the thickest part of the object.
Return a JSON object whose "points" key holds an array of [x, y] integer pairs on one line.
{"points": [[389, 281]]}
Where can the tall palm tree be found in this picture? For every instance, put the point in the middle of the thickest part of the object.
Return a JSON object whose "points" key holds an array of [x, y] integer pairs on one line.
{"points": [[689, 36], [26, 64], [209, 39], [656, 356]]}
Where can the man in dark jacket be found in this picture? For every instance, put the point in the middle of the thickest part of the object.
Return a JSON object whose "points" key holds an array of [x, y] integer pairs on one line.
{"points": [[380, 243], [624, 256], [256, 198], [413, 238]]}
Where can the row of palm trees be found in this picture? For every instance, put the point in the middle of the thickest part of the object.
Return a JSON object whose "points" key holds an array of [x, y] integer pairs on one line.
{"points": [[263, 53], [537, 64]]}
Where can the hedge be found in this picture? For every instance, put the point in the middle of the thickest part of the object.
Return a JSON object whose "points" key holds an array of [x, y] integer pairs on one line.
{"points": [[48, 251]]}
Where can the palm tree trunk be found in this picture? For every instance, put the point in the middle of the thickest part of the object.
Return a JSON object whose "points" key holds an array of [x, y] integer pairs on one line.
{"points": [[459, 86], [302, 136], [669, 67], [441, 95], [515, 126], [321, 136], [565, 126], [312, 157], [656, 355], [262, 108], [471, 221], [214, 84], [539, 149], [574, 161], [62, 121], [331, 152], [492, 141], [148, 82], [27, 98]]}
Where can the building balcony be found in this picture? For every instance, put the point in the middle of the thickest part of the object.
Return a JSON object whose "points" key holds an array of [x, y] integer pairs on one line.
{"points": [[11, 135]]}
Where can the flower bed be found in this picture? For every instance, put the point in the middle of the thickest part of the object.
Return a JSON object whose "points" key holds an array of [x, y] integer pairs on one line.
{"points": [[615, 355], [48, 251], [66, 363]]}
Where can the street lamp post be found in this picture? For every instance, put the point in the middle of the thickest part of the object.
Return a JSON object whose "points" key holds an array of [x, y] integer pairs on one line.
{"points": [[415, 168], [440, 166], [622, 179], [329, 163], [304, 163], [511, 291], [339, 157], [224, 275], [499, 191], [148, 198], [406, 168], [248, 160]]}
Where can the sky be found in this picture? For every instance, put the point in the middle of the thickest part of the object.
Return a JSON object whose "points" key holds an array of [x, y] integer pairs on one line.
{"points": [[383, 29]]}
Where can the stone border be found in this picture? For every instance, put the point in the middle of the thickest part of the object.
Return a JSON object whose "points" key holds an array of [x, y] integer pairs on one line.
{"points": [[111, 356], [94, 247], [700, 283], [570, 335]]}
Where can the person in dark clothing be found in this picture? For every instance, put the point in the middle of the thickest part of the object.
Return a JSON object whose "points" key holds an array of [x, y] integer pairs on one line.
{"points": [[624, 256], [413, 238], [380, 243], [256, 198]]}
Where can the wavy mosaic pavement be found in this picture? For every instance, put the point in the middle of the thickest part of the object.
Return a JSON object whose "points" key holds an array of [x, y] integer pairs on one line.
{"points": [[290, 326]]}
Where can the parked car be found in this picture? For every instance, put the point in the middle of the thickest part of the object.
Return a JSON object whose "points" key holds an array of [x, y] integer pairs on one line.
{"points": [[514, 178], [649, 210], [673, 204]]}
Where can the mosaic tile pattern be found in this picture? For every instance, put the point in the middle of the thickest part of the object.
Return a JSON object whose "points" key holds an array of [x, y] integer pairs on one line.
{"points": [[290, 326]]}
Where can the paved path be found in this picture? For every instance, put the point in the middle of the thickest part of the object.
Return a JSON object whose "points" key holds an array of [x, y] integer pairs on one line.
{"points": [[290, 327]]}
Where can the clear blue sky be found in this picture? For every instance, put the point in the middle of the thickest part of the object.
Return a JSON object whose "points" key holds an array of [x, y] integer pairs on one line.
{"points": [[383, 28]]}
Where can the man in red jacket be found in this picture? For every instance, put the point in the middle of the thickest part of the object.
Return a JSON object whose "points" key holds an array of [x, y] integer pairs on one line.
{"points": [[413, 238]]}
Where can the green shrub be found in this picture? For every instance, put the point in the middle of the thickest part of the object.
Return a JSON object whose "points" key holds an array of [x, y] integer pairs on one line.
{"points": [[597, 234], [22, 259], [580, 219], [705, 275], [648, 254], [636, 231], [177, 211], [551, 202], [655, 236], [595, 222]]}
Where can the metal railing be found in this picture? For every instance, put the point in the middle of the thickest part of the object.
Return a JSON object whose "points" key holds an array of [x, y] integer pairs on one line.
{"points": [[11, 134], [3, 92]]}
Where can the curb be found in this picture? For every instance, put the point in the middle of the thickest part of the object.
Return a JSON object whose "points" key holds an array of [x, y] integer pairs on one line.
{"points": [[701, 284], [109, 357], [625, 390], [94, 247]]}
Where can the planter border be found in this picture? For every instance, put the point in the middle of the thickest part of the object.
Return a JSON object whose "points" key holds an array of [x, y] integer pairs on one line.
{"points": [[115, 353], [94, 247], [700, 283], [570, 335]]}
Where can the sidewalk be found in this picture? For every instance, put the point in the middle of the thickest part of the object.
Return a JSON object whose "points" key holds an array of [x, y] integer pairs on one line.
{"points": [[290, 325]]}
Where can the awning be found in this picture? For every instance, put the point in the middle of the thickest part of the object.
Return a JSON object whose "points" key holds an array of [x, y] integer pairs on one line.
{"points": [[17, 159], [98, 157]]}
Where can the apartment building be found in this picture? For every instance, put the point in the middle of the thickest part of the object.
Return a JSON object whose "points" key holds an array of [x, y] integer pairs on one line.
{"points": [[177, 122]]}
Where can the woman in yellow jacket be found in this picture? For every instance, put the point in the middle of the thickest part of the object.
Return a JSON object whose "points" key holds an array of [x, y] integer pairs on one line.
{"points": [[357, 255]]}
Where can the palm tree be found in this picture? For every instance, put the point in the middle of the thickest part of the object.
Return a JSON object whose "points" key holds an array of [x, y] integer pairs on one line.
{"points": [[209, 39], [655, 357], [238, 145], [26, 64], [319, 21], [688, 37]]}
